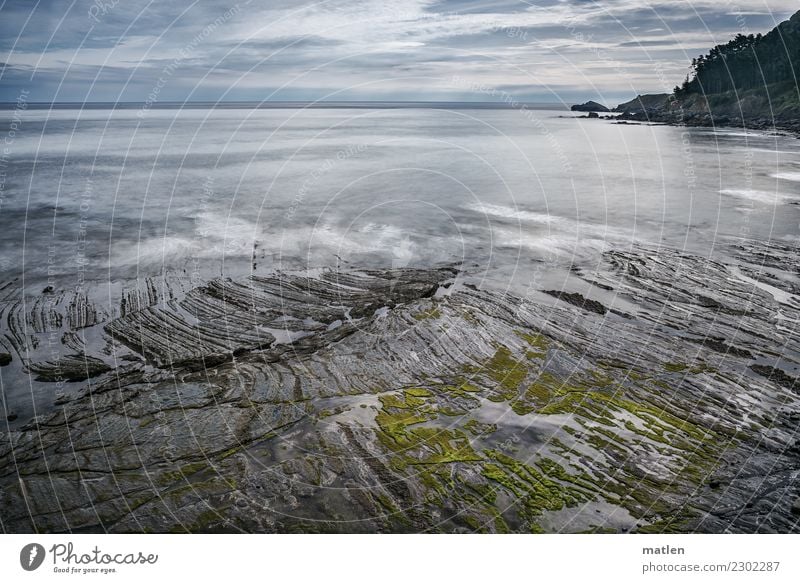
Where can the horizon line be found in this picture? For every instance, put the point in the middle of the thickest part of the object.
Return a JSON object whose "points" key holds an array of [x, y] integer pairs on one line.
{"points": [[385, 103]]}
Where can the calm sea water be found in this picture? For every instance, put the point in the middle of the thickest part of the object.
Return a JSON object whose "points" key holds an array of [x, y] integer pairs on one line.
{"points": [[101, 195]]}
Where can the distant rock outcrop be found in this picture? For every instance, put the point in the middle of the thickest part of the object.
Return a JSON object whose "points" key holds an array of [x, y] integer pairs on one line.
{"points": [[751, 81], [644, 103], [590, 106]]}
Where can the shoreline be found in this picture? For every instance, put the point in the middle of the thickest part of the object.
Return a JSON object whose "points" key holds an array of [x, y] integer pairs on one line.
{"points": [[403, 401], [786, 128]]}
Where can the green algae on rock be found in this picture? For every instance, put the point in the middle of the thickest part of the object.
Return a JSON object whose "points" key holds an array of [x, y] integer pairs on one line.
{"points": [[359, 402]]}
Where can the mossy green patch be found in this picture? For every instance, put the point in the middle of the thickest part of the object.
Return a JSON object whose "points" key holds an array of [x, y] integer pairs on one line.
{"points": [[417, 392], [538, 342], [181, 473], [537, 395], [478, 429], [535, 491], [505, 370], [473, 523], [429, 314], [462, 389], [606, 405], [675, 366]]}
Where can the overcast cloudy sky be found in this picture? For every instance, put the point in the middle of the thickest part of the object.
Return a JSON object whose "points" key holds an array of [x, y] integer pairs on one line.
{"points": [[544, 50]]}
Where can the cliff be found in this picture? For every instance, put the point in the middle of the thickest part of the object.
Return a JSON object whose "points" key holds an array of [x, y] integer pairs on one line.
{"points": [[642, 103], [751, 81]]}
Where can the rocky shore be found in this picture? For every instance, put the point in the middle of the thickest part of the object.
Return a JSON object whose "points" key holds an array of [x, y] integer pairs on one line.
{"points": [[707, 119], [664, 109], [660, 397]]}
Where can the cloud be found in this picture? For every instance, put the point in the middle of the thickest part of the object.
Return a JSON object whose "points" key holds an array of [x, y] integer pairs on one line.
{"points": [[368, 48]]}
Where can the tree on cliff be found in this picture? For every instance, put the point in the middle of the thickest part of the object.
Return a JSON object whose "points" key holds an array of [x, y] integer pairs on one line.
{"points": [[748, 62]]}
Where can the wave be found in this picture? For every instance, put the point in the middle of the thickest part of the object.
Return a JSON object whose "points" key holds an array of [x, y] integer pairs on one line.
{"points": [[554, 246], [511, 213], [152, 252], [761, 196], [215, 236], [735, 134], [372, 243], [580, 229], [793, 176]]}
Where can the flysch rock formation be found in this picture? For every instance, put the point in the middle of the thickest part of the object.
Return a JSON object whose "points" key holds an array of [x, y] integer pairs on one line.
{"points": [[662, 397]]}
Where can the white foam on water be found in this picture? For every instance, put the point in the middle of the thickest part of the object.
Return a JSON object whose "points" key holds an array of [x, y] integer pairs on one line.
{"points": [[773, 151], [738, 134], [152, 252], [552, 246], [511, 213], [760, 196], [553, 237], [793, 176], [379, 243], [235, 234], [556, 224], [214, 236]]}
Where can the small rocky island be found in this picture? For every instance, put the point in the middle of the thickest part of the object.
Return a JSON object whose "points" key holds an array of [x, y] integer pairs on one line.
{"points": [[590, 106], [662, 397]]}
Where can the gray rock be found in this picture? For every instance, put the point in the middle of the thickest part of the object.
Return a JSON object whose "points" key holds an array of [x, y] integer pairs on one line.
{"points": [[578, 300], [590, 106], [368, 402]]}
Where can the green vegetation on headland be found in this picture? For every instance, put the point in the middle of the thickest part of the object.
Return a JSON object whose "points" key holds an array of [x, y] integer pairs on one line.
{"points": [[750, 80]]}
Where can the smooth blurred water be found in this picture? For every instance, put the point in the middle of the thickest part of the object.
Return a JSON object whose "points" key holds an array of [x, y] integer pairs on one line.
{"points": [[105, 195]]}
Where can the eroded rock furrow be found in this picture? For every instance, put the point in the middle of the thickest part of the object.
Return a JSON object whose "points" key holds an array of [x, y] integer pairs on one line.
{"points": [[393, 401]]}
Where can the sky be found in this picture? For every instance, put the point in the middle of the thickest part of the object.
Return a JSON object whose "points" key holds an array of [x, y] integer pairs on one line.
{"points": [[417, 50]]}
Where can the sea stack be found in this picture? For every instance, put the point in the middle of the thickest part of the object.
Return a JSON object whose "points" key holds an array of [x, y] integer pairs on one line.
{"points": [[590, 106]]}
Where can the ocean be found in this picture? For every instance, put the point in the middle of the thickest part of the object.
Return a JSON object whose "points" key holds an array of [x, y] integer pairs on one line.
{"points": [[106, 195], [395, 319]]}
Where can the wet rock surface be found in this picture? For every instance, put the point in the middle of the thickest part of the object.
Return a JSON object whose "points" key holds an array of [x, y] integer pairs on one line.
{"points": [[590, 106], [578, 300], [405, 401], [704, 118]]}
